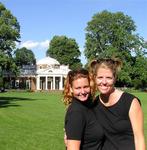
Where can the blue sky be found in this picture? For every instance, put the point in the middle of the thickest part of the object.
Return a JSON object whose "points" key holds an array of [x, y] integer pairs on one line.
{"points": [[40, 20]]}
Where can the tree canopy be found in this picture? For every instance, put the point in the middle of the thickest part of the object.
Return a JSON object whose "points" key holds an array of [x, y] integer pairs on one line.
{"points": [[113, 35], [65, 50], [24, 56], [9, 35]]}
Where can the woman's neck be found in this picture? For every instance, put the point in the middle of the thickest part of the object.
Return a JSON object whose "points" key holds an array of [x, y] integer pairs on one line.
{"points": [[106, 98], [111, 98]]}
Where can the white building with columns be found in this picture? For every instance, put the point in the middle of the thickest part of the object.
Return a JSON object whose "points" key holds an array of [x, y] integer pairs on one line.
{"points": [[50, 75]]}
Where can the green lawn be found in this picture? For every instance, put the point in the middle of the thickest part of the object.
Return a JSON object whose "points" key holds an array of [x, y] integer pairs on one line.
{"points": [[34, 121], [31, 121], [143, 98]]}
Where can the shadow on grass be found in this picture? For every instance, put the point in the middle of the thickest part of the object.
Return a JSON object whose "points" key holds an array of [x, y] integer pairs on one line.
{"points": [[9, 101]]}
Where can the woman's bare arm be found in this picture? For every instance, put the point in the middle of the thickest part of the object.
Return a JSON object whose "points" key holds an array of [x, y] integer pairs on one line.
{"points": [[136, 118], [73, 145]]}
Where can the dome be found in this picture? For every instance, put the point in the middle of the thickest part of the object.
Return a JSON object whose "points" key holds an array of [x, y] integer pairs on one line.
{"points": [[48, 61]]}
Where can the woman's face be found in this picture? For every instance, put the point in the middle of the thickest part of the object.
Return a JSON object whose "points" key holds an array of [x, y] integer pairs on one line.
{"points": [[81, 89], [105, 80]]}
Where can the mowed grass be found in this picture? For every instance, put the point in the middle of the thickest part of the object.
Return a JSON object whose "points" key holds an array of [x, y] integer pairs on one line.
{"points": [[143, 98], [34, 121], [31, 121]]}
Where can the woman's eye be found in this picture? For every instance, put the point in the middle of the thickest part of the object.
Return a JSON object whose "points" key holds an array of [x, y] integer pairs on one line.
{"points": [[86, 87], [99, 77]]}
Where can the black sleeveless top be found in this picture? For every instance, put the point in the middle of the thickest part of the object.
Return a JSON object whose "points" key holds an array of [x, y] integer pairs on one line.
{"points": [[82, 124], [116, 123]]}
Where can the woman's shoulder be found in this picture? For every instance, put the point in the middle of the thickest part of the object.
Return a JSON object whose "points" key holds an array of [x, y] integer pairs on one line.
{"points": [[129, 97], [76, 105]]}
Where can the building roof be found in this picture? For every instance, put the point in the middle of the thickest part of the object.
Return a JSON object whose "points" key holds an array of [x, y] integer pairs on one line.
{"points": [[48, 61], [52, 67]]}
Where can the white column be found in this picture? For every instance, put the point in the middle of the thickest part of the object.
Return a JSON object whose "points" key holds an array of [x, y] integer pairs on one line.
{"points": [[46, 81], [29, 84], [38, 83], [61, 83], [53, 82]]}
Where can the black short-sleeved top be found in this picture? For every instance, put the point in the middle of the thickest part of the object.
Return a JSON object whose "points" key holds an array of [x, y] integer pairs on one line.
{"points": [[116, 123], [81, 124]]}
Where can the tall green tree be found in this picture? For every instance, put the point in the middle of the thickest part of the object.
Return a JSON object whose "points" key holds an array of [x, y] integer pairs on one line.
{"points": [[110, 33], [9, 35], [24, 56], [139, 73], [65, 50], [113, 35]]}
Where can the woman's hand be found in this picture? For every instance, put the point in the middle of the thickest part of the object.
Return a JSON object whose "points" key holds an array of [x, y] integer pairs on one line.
{"points": [[71, 144], [65, 139]]}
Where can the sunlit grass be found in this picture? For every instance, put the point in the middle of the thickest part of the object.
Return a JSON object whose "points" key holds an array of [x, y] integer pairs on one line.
{"points": [[34, 121], [31, 121]]}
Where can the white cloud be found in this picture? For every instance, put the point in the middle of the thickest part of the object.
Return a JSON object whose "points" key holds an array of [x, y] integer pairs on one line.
{"points": [[29, 44], [34, 44], [45, 44]]}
